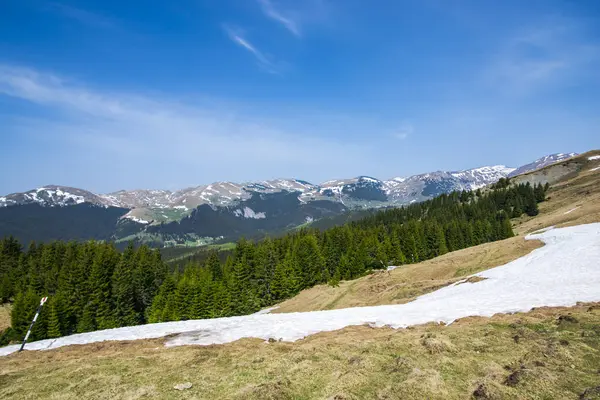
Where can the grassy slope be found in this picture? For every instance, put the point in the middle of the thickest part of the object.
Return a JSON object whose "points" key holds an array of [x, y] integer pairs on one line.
{"points": [[581, 192], [537, 355], [405, 283], [543, 354]]}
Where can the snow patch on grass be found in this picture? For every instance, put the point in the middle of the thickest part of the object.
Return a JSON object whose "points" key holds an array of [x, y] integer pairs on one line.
{"points": [[561, 273]]}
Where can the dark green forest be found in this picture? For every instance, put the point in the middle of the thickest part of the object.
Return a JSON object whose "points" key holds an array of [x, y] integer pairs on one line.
{"points": [[94, 286]]}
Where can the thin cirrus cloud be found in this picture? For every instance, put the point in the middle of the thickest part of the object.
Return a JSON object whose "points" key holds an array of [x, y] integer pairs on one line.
{"points": [[262, 60], [404, 131], [82, 16], [276, 15], [153, 141], [541, 57]]}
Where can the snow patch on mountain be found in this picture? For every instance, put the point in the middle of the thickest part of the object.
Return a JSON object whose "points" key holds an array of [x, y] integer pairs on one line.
{"points": [[592, 158], [136, 219], [361, 192], [52, 196], [247, 212]]}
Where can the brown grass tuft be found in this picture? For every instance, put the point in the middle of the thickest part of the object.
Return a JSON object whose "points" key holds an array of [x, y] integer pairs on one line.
{"points": [[4, 316]]}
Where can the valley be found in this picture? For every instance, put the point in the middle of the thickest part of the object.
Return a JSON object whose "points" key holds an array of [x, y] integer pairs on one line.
{"points": [[547, 352], [224, 211]]}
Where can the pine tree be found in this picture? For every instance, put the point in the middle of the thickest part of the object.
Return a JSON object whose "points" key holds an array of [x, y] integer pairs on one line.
{"points": [[123, 290], [335, 280], [54, 317], [221, 300], [214, 265], [531, 207], [345, 267], [100, 283], [540, 193], [308, 256], [279, 285], [87, 322]]}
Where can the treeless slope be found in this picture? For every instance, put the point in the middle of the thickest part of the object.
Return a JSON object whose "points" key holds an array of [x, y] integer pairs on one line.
{"points": [[407, 282], [571, 201], [548, 353]]}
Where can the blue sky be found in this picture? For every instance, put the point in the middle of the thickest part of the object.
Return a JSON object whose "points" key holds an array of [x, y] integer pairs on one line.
{"points": [[108, 95]]}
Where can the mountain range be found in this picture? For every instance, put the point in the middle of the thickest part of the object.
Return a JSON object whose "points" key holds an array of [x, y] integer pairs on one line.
{"points": [[224, 210]]}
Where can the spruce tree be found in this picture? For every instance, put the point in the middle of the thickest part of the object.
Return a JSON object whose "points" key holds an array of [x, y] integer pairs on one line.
{"points": [[214, 265], [123, 290], [55, 317], [279, 288], [100, 283]]}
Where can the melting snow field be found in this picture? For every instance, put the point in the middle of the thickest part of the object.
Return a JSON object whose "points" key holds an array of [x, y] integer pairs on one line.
{"points": [[563, 272]]}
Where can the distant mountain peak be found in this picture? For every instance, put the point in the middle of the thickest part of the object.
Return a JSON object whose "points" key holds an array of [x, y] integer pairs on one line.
{"points": [[542, 162], [51, 196], [361, 191], [202, 214]]}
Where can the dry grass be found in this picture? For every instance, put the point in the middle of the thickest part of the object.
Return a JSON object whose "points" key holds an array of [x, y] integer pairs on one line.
{"points": [[4, 316], [544, 354], [406, 283], [571, 202], [549, 353]]}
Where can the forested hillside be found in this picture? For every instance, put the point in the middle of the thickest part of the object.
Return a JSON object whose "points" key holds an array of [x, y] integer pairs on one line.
{"points": [[93, 286]]}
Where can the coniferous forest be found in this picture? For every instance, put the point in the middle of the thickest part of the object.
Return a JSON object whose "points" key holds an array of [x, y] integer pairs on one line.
{"points": [[94, 286]]}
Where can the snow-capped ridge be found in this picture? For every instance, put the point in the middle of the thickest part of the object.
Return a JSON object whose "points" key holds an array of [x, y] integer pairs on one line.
{"points": [[361, 191], [542, 162], [52, 196]]}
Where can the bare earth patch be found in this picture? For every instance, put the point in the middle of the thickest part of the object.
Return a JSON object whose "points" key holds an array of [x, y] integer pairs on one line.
{"points": [[473, 279]]}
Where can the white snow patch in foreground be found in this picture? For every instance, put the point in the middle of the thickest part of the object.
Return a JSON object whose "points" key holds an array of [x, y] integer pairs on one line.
{"points": [[561, 273], [592, 158], [571, 210], [595, 169]]}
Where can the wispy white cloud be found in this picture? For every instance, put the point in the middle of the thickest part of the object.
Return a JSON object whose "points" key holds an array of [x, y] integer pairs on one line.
{"points": [[277, 15], [263, 61], [404, 131], [150, 141], [83, 16], [541, 57]]}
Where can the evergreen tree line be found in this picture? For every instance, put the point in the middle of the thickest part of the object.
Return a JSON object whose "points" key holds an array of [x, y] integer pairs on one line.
{"points": [[93, 286], [260, 274], [90, 286]]}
